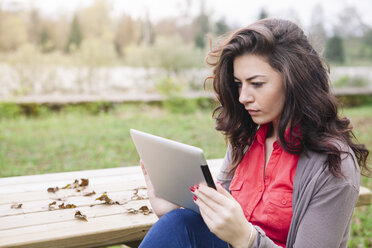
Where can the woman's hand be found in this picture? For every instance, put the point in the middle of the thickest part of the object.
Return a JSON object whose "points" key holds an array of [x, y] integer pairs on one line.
{"points": [[223, 215], [159, 205]]}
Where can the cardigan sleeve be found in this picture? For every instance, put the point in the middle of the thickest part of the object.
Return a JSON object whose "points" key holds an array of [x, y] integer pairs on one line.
{"points": [[223, 176], [329, 210], [326, 222], [324, 204]]}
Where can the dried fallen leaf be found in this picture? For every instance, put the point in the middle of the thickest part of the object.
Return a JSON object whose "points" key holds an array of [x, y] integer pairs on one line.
{"points": [[67, 186], [90, 193], [53, 190], [80, 216], [137, 197], [75, 184], [84, 182], [144, 210], [16, 205], [63, 206], [52, 205], [107, 199], [132, 211]]}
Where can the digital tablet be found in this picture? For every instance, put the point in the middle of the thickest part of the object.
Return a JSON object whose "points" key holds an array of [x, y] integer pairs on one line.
{"points": [[173, 167]]}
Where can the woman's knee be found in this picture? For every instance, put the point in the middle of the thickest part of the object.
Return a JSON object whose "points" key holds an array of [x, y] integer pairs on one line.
{"points": [[182, 218]]}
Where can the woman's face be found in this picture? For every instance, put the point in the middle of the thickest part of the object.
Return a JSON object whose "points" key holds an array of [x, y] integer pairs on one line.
{"points": [[261, 89]]}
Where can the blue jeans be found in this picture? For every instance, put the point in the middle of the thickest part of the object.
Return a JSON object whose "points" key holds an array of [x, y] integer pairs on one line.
{"points": [[181, 228]]}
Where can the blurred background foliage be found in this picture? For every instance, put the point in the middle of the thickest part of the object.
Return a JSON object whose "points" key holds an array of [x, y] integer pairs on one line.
{"points": [[349, 41], [92, 39]]}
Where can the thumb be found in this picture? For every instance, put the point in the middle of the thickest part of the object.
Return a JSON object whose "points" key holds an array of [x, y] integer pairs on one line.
{"points": [[223, 191]]}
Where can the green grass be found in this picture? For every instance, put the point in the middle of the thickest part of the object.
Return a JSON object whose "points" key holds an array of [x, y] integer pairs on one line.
{"points": [[72, 140], [361, 227]]}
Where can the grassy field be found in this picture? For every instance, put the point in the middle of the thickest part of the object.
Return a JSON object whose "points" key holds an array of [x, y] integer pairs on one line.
{"points": [[77, 141]]}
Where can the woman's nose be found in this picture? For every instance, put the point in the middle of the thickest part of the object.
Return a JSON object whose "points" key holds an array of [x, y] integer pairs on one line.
{"points": [[245, 95]]}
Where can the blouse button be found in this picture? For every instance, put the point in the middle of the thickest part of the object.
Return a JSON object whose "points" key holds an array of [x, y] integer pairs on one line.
{"points": [[284, 202]]}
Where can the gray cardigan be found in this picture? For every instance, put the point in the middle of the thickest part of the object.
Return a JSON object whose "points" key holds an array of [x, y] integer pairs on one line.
{"points": [[322, 204]]}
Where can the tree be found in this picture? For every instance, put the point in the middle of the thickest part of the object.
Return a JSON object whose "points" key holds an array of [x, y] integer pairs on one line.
{"points": [[76, 36], [13, 31], [95, 21], [366, 51], [59, 30], [334, 51], [202, 26], [169, 53], [127, 32], [147, 32], [45, 40], [221, 27], [351, 29], [34, 26], [350, 23], [317, 33], [263, 14]]}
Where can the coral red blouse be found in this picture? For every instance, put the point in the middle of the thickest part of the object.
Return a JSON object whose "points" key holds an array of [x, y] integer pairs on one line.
{"points": [[266, 196]]}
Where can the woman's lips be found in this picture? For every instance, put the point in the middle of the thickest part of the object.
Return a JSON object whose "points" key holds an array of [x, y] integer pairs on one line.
{"points": [[253, 112]]}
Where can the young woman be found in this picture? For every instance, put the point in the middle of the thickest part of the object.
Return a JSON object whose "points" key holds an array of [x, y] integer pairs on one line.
{"points": [[291, 174]]}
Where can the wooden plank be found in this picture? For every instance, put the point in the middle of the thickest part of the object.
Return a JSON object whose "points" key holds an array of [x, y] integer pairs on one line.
{"points": [[96, 177], [68, 176], [23, 197], [79, 201], [365, 197], [118, 98], [63, 215], [122, 98], [93, 182], [349, 91], [98, 231]]}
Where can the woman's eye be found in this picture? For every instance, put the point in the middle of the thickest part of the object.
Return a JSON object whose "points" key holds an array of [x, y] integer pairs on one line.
{"points": [[257, 84], [238, 84]]}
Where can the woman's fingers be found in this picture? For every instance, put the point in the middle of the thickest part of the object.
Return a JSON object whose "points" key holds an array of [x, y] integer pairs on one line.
{"points": [[213, 198], [213, 203], [223, 191], [142, 167], [147, 178], [207, 215]]}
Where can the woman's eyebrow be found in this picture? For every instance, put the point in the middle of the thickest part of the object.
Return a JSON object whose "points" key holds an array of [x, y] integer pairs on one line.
{"points": [[251, 77]]}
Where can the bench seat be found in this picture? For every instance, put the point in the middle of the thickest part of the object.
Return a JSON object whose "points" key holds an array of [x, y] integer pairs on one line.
{"points": [[35, 224]]}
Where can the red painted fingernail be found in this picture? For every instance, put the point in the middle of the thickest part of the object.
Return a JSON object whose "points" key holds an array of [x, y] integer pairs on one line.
{"points": [[197, 186], [192, 189], [194, 197]]}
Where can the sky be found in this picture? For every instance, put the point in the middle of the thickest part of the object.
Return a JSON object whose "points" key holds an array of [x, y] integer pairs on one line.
{"points": [[236, 12]]}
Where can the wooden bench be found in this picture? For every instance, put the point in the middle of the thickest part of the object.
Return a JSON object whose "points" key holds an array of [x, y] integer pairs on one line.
{"points": [[36, 224]]}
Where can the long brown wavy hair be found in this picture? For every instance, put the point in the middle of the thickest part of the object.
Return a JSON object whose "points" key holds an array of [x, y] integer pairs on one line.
{"points": [[309, 102]]}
